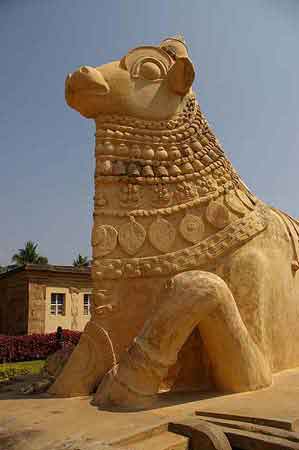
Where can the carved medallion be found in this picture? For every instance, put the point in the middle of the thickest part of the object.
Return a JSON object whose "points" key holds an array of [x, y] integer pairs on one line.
{"points": [[131, 236], [161, 235], [104, 240], [217, 215], [234, 204], [192, 228]]}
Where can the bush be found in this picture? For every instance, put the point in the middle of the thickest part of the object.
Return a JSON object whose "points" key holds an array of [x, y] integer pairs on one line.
{"points": [[13, 370], [33, 346]]}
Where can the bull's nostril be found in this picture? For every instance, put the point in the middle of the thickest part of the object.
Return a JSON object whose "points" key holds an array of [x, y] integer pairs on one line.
{"points": [[84, 69]]}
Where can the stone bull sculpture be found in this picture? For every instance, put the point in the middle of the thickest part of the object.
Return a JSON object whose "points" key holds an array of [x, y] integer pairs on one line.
{"points": [[182, 250]]}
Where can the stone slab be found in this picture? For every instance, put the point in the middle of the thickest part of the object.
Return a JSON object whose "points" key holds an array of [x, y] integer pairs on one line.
{"points": [[284, 424], [253, 427], [41, 422]]}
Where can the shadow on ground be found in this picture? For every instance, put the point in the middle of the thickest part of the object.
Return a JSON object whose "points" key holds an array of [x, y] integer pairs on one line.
{"points": [[164, 400]]}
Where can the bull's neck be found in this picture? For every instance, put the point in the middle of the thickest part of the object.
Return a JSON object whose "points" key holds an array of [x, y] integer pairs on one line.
{"points": [[179, 160], [162, 189]]}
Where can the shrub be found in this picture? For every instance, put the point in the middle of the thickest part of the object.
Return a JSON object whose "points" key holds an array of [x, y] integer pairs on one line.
{"points": [[33, 346]]}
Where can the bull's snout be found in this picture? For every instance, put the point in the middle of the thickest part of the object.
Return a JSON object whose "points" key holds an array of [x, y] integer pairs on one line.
{"points": [[83, 85], [87, 79]]}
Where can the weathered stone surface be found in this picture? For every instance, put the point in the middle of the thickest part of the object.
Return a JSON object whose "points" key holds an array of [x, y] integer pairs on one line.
{"points": [[56, 422], [203, 435], [219, 435], [254, 425], [274, 423], [195, 248]]}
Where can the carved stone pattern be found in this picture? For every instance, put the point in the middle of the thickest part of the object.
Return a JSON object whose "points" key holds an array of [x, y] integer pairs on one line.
{"points": [[234, 203], [161, 211], [104, 240], [131, 236], [162, 235], [130, 196], [192, 228], [163, 196], [124, 151], [217, 215], [205, 252], [244, 199]]}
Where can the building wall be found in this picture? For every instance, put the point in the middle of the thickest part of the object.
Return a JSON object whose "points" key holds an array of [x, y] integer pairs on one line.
{"points": [[74, 318], [25, 299], [14, 304], [36, 308], [41, 285]]}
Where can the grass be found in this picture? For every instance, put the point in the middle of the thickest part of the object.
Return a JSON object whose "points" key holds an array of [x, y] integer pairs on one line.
{"points": [[11, 370]]}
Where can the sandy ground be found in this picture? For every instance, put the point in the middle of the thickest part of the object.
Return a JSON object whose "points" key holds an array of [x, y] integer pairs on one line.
{"points": [[39, 422]]}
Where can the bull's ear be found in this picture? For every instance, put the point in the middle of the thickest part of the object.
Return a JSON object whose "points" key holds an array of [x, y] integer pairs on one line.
{"points": [[181, 76]]}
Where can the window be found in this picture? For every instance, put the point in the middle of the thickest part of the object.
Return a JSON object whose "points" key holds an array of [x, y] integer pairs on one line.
{"points": [[57, 304], [86, 304]]}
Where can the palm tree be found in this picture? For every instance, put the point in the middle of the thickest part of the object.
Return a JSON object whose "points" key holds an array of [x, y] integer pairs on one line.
{"points": [[29, 255], [81, 261]]}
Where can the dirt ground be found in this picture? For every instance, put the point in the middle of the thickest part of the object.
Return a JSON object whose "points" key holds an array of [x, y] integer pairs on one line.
{"points": [[39, 422]]}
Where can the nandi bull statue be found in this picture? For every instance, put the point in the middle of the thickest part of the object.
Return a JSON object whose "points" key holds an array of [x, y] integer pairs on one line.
{"points": [[183, 252]]}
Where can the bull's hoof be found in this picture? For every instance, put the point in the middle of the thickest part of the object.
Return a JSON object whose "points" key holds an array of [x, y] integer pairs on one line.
{"points": [[112, 392]]}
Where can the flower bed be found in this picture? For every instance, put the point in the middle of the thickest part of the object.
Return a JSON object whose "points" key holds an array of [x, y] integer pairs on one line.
{"points": [[33, 346]]}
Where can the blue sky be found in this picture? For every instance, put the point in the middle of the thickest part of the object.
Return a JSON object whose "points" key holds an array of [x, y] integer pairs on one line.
{"points": [[247, 81]]}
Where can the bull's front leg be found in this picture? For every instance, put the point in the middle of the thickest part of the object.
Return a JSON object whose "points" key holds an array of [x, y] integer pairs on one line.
{"points": [[116, 318], [94, 355], [190, 299]]}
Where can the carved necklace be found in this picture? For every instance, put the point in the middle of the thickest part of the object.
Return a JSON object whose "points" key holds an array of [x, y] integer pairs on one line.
{"points": [[182, 152], [200, 255]]}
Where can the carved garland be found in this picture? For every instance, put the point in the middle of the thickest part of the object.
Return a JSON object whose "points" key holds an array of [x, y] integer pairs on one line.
{"points": [[200, 255], [160, 152], [159, 211]]}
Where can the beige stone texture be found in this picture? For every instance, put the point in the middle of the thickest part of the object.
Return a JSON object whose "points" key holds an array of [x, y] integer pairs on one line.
{"points": [[179, 244], [37, 311], [74, 318], [45, 423]]}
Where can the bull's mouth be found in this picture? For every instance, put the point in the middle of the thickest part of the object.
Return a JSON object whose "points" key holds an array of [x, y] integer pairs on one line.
{"points": [[86, 91], [72, 91], [85, 82]]}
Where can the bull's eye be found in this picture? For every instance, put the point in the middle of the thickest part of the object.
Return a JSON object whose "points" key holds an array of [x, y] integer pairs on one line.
{"points": [[150, 71]]}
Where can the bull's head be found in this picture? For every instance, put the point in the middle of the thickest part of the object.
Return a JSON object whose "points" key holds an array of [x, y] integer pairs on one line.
{"points": [[148, 83]]}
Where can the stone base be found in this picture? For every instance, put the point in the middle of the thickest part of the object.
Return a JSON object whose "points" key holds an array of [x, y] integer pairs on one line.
{"points": [[39, 421]]}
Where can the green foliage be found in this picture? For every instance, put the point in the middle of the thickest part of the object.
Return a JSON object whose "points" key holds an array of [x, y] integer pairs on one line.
{"points": [[81, 261], [9, 371], [29, 255]]}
